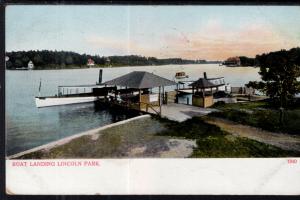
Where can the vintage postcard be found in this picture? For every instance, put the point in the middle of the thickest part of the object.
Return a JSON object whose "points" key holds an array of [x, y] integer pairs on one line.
{"points": [[132, 99]]}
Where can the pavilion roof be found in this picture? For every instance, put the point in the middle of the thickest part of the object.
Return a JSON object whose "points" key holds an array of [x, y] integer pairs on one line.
{"points": [[202, 83], [140, 80]]}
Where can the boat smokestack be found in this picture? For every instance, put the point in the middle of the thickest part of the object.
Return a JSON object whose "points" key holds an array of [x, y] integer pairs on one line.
{"points": [[205, 76], [100, 76]]}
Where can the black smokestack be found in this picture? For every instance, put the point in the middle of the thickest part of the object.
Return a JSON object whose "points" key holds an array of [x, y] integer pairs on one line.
{"points": [[100, 76], [205, 76]]}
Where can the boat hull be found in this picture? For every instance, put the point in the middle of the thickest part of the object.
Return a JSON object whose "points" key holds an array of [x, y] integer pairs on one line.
{"points": [[181, 77], [57, 101]]}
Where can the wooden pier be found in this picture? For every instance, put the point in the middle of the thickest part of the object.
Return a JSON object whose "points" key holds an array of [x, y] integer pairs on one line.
{"points": [[133, 91]]}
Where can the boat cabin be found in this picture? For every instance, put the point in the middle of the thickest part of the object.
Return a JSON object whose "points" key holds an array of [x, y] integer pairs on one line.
{"points": [[180, 75]]}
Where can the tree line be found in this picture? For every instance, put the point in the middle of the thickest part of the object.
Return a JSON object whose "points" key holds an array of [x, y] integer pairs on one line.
{"points": [[280, 74], [245, 61], [45, 59], [252, 62]]}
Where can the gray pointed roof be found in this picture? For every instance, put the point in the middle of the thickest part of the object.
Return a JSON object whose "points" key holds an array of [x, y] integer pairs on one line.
{"points": [[202, 83], [140, 80]]}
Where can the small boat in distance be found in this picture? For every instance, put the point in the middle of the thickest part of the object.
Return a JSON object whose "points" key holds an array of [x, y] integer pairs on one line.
{"points": [[181, 75]]}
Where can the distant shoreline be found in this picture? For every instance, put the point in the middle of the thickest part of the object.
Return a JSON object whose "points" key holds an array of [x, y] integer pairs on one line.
{"points": [[98, 67]]}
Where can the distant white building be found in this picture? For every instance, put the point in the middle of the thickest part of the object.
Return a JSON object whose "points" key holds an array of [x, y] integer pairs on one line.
{"points": [[90, 62], [30, 65]]}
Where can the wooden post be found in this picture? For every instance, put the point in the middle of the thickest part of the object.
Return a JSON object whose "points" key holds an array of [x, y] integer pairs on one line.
{"points": [[176, 99], [159, 99], [140, 99], [203, 95], [166, 97], [116, 92], [163, 95]]}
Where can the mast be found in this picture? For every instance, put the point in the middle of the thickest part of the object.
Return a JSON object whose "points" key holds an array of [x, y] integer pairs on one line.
{"points": [[40, 87]]}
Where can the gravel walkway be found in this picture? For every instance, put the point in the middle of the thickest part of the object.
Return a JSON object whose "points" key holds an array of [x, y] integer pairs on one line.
{"points": [[284, 141]]}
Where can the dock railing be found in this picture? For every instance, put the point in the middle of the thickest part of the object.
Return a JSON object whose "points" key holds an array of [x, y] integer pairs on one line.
{"points": [[152, 108]]}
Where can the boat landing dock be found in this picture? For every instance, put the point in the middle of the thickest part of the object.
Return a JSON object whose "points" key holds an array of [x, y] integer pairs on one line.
{"points": [[181, 112]]}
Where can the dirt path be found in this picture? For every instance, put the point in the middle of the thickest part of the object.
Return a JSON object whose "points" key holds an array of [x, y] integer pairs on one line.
{"points": [[284, 141]]}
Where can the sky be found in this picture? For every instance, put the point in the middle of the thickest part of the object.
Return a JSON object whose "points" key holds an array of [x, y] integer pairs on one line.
{"points": [[190, 32]]}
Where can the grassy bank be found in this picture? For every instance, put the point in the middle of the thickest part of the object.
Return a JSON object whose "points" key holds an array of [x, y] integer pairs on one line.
{"points": [[156, 137], [134, 139], [261, 115], [212, 142]]}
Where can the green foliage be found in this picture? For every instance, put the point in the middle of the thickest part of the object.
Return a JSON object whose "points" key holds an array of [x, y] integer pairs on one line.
{"points": [[244, 105], [191, 129], [245, 61], [218, 104], [279, 72], [18, 63], [233, 115], [223, 147], [64, 59], [212, 142], [261, 116]]}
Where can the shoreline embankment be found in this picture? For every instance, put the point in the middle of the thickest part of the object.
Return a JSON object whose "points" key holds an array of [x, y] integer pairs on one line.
{"points": [[70, 138]]}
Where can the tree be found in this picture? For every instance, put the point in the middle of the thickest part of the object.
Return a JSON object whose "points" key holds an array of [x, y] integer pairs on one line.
{"points": [[38, 60], [69, 60], [9, 64], [279, 72], [18, 63]]}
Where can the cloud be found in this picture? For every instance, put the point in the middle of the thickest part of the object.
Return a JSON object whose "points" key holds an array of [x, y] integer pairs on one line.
{"points": [[212, 41], [215, 42]]}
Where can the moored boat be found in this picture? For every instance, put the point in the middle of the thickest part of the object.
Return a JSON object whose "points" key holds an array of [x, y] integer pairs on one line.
{"points": [[56, 101], [181, 75], [74, 94]]}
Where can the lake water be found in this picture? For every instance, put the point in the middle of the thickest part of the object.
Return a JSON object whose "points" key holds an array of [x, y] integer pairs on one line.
{"points": [[28, 126]]}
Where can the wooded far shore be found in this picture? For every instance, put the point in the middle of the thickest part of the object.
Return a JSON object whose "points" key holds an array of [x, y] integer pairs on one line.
{"points": [[45, 59]]}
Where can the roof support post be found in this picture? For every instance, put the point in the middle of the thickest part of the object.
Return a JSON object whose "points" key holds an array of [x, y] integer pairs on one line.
{"points": [[163, 94], [140, 99], [176, 99], [159, 100], [203, 95]]}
